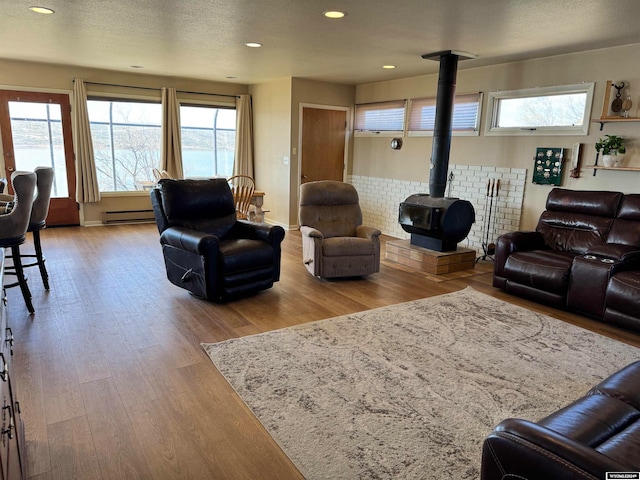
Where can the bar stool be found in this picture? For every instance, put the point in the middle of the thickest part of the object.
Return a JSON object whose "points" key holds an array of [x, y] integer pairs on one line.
{"points": [[37, 221], [13, 227]]}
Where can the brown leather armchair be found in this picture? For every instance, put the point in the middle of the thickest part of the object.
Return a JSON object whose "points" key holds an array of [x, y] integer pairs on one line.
{"points": [[597, 433], [334, 241], [207, 251]]}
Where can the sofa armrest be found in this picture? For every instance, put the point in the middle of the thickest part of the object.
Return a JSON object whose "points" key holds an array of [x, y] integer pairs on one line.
{"points": [[515, 242], [521, 449], [272, 234], [628, 254], [521, 241], [367, 232], [190, 240]]}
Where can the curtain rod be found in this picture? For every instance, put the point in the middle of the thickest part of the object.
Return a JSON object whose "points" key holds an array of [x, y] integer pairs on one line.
{"points": [[152, 88]]}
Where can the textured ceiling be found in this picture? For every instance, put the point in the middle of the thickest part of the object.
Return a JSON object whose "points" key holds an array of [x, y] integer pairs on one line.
{"points": [[204, 39]]}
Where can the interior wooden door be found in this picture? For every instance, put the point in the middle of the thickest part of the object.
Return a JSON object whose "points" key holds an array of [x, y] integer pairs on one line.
{"points": [[323, 144], [36, 131]]}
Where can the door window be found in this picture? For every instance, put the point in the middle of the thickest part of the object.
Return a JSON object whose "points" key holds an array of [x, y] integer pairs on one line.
{"points": [[38, 140]]}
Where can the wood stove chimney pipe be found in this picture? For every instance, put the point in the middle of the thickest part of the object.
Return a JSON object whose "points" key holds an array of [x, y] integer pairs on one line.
{"points": [[444, 115]]}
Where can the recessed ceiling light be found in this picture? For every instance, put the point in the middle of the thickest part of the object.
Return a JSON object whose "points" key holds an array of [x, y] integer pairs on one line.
{"points": [[43, 10], [389, 67], [253, 44], [334, 14]]}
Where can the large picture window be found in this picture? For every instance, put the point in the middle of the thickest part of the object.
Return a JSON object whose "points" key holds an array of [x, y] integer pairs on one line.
{"points": [[208, 140], [562, 110], [126, 142]]}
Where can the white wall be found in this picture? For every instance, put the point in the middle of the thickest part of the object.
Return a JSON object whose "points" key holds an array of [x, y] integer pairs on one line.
{"points": [[496, 213], [373, 157]]}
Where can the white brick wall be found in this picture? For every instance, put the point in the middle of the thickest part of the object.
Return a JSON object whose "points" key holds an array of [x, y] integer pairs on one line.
{"points": [[381, 197]]}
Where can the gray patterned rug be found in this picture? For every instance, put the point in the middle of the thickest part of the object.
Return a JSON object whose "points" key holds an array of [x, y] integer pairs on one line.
{"points": [[411, 390]]}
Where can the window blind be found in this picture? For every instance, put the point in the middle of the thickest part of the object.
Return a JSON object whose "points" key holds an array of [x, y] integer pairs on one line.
{"points": [[466, 113], [380, 116]]}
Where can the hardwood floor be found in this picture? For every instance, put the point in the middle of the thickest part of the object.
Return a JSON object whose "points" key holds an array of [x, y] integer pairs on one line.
{"points": [[112, 379]]}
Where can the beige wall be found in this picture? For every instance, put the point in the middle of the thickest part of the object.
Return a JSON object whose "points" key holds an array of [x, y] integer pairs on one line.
{"points": [[309, 92], [276, 109], [272, 138], [277, 105], [44, 77], [373, 156], [276, 112]]}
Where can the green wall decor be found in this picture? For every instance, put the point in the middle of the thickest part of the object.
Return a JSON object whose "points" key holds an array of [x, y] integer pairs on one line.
{"points": [[547, 167]]}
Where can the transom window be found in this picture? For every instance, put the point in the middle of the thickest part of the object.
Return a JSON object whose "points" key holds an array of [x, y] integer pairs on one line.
{"points": [[380, 118], [465, 121], [562, 110]]}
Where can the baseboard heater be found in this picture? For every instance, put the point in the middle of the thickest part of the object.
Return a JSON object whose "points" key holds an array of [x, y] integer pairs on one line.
{"points": [[128, 216]]}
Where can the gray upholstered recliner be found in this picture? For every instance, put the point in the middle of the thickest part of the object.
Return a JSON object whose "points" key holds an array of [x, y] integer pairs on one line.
{"points": [[334, 241]]}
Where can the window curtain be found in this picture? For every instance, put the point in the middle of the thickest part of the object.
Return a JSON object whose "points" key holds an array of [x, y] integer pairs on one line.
{"points": [[87, 189], [243, 163], [171, 142]]}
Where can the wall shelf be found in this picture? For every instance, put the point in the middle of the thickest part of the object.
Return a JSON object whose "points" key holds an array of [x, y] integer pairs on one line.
{"points": [[621, 169], [604, 120]]}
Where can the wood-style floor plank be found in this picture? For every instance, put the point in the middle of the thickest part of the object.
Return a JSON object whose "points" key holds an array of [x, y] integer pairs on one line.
{"points": [[113, 381], [117, 453]]}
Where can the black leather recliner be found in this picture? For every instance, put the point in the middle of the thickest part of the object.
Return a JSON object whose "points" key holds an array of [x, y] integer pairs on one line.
{"points": [[207, 251]]}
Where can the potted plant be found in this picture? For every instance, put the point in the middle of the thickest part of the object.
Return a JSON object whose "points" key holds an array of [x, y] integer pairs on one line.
{"points": [[612, 148]]}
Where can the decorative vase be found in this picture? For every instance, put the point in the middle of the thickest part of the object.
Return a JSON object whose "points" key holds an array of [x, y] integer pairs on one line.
{"points": [[610, 160]]}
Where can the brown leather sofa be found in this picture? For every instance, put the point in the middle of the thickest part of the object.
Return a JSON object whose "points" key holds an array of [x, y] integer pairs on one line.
{"points": [[597, 433], [584, 256]]}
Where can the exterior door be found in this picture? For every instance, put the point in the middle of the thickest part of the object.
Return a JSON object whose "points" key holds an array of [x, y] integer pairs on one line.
{"points": [[36, 132], [323, 144]]}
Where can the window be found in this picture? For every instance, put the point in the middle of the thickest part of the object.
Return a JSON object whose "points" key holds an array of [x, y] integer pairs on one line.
{"points": [[381, 117], [127, 141], [38, 140], [466, 115], [208, 140], [560, 110]]}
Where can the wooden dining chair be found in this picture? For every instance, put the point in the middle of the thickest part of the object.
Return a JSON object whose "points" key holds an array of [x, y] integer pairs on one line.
{"points": [[242, 187], [159, 174]]}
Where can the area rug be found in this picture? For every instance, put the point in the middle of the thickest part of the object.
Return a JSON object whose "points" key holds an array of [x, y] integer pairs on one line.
{"points": [[410, 391]]}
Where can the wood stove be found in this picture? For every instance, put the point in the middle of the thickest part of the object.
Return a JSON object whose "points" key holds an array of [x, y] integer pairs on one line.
{"points": [[434, 221]]}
